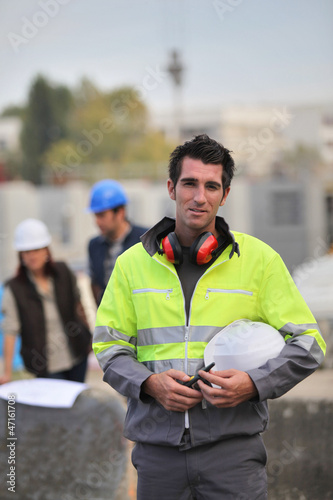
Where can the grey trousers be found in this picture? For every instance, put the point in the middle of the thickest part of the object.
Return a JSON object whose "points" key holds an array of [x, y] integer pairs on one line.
{"points": [[233, 469]]}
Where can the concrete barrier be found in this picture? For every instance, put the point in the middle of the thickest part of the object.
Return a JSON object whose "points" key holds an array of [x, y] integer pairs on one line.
{"points": [[79, 453], [300, 449], [64, 453]]}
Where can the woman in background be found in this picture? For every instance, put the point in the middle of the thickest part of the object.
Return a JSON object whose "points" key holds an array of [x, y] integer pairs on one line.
{"points": [[42, 304]]}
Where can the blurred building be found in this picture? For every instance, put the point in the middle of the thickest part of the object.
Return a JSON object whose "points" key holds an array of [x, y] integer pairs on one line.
{"points": [[258, 135], [290, 216], [63, 209], [10, 129], [326, 135], [292, 210]]}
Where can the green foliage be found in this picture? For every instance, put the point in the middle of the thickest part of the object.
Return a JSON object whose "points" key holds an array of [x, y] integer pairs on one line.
{"points": [[45, 123], [110, 122], [11, 166], [65, 132], [18, 111], [152, 148], [108, 130]]}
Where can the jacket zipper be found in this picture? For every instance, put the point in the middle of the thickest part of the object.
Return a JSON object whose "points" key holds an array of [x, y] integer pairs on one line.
{"points": [[223, 290], [186, 336], [204, 404], [166, 291], [187, 419]]}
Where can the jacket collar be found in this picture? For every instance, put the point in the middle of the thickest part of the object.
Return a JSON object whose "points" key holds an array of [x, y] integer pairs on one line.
{"points": [[151, 239]]}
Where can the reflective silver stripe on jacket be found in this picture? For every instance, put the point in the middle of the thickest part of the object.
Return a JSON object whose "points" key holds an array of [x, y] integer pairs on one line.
{"points": [[307, 342]]}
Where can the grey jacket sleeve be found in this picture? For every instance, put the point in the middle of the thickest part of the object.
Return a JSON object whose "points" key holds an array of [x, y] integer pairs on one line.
{"points": [[281, 305], [126, 375], [282, 373]]}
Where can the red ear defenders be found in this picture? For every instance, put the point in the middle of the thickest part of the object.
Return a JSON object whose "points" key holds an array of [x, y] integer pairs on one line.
{"points": [[201, 250]]}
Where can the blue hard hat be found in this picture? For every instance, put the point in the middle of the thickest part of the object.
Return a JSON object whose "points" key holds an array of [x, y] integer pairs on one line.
{"points": [[106, 195]]}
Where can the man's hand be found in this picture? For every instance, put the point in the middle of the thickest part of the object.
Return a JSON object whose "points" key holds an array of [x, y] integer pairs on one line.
{"points": [[235, 387], [169, 393]]}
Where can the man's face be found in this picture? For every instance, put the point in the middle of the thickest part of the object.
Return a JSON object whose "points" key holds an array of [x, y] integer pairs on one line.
{"points": [[198, 195], [107, 222]]}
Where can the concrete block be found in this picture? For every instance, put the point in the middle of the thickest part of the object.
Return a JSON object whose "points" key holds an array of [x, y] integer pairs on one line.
{"points": [[300, 449], [65, 453]]}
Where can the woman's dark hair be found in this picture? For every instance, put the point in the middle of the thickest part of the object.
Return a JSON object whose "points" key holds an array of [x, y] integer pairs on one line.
{"points": [[49, 267], [207, 150]]}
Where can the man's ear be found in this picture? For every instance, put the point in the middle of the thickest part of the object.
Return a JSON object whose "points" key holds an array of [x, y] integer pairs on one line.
{"points": [[121, 213], [225, 196], [171, 189]]}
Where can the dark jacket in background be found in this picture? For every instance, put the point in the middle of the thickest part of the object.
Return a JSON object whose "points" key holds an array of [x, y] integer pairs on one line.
{"points": [[31, 313], [98, 250]]}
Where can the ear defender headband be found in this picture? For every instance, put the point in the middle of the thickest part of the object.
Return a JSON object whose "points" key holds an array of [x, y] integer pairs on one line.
{"points": [[201, 250]]}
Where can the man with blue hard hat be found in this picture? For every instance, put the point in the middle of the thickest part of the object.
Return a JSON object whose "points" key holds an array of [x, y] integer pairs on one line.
{"points": [[108, 202]]}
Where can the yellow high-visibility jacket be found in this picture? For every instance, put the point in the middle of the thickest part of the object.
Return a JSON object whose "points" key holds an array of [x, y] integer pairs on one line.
{"points": [[141, 328]]}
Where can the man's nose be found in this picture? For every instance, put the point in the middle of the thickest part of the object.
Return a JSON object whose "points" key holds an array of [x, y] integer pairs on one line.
{"points": [[200, 195]]}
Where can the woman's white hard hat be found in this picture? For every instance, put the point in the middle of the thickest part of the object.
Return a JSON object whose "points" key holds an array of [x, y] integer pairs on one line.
{"points": [[31, 234], [243, 345]]}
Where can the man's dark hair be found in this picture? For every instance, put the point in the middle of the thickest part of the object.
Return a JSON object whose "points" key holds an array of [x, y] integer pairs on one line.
{"points": [[207, 150]]}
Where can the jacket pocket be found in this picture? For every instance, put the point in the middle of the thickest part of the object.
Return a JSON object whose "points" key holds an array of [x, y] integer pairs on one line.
{"points": [[157, 307], [262, 412], [165, 291], [227, 291]]}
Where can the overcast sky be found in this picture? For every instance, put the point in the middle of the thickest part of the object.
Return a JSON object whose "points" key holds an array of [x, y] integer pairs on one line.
{"points": [[234, 51]]}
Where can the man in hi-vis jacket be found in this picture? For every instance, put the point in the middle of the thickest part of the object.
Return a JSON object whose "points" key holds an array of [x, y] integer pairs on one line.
{"points": [[167, 297]]}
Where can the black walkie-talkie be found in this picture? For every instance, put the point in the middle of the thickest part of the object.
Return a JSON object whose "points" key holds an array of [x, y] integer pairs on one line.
{"points": [[197, 377]]}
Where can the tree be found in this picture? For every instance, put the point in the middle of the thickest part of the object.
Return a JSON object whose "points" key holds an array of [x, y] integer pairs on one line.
{"points": [[18, 111], [110, 121], [150, 155], [65, 133], [45, 122], [103, 127]]}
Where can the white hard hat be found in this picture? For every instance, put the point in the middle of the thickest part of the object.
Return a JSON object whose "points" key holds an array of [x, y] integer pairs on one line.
{"points": [[31, 234], [243, 345]]}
